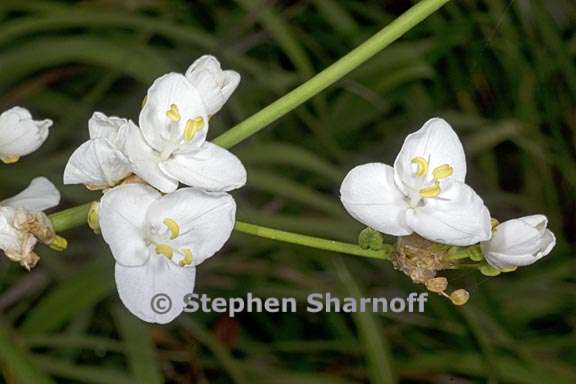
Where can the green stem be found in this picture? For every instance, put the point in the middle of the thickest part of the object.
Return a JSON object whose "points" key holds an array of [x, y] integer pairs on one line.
{"points": [[312, 242], [77, 216], [70, 218], [330, 75]]}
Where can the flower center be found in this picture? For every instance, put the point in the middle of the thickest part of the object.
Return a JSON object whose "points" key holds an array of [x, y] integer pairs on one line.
{"points": [[161, 239], [440, 172]]}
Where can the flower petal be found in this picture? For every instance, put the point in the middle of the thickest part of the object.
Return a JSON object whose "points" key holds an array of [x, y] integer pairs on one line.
{"points": [[97, 164], [212, 168], [205, 221], [456, 217], [19, 134], [171, 105], [432, 146], [122, 222], [214, 85], [40, 195], [114, 129], [155, 291], [144, 162], [9, 236], [370, 195]]}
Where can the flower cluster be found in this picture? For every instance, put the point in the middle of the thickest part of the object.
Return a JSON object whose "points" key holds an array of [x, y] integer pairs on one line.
{"points": [[158, 233], [425, 201]]}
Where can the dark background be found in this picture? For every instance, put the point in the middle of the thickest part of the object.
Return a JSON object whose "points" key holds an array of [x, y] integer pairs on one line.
{"points": [[501, 72]]}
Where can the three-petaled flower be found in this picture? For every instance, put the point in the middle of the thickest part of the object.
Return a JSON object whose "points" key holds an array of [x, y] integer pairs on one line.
{"points": [[158, 241], [425, 191], [23, 224], [519, 242], [20, 135]]}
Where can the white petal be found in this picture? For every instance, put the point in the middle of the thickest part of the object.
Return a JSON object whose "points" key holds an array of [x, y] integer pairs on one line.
{"points": [[437, 143], [9, 236], [144, 162], [212, 168], [159, 131], [205, 221], [97, 164], [123, 222], [456, 217], [19, 134], [214, 85], [515, 237], [370, 195], [113, 129], [155, 291], [40, 195], [519, 242]]}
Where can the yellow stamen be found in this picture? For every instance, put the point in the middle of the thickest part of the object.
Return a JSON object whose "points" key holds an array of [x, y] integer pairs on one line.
{"points": [[10, 159], [422, 165], [442, 171], [58, 243], [187, 252], [431, 191], [173, 113], [144, 101], [192, 127], [172, 227], [165, 249]]}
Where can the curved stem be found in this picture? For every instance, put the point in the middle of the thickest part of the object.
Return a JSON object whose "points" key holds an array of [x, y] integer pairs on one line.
{"points": [[312, 242], [330, 75]]}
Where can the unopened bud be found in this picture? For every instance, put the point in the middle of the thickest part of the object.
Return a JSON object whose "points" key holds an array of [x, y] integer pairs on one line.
{"points": [[58, 243], [437, 284], [370, 239], [460, 297], [488, 270]]}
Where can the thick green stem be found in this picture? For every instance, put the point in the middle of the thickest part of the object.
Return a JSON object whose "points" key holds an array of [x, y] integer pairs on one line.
{"points": [[330, 75], [312, 242]]}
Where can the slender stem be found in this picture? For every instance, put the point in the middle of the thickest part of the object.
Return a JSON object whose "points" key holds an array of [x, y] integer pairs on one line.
{"points": [[312, 242], [70, 218], [330, 75]]}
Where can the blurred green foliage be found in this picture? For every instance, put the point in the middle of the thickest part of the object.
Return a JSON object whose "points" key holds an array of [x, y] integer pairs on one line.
{"points": [[502, 72]]}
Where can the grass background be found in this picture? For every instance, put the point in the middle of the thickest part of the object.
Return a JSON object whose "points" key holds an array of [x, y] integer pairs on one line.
{"points": [[502, 72]]}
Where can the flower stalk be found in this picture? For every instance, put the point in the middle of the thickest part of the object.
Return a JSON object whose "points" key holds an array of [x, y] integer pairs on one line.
{"points": [[330, 75]]}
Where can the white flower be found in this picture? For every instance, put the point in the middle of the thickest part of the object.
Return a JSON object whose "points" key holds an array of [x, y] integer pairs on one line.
{"points": [[20, 135], [519, 242], [424, 192], [158, 241], [100, 162], [22, 223], [170, 146]]}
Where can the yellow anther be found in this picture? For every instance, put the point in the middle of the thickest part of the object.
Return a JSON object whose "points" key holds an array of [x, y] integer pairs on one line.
{"points": [[10, 159], [431, 191], [58, 243], [165, 249], [172, 227], [422, 165], [93, 217], [192, 127], [144, 101], [442, 171], [173, 113], [187, 260]]}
